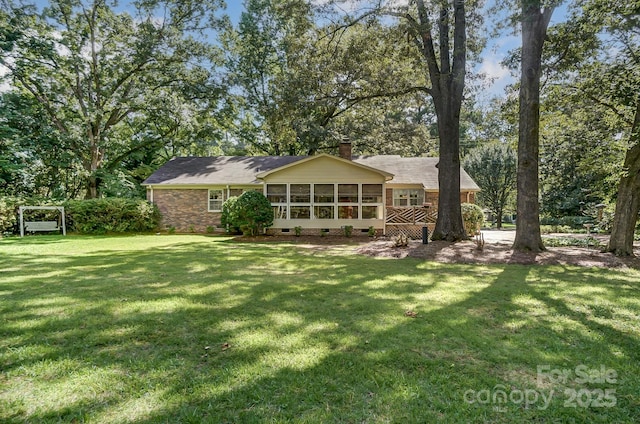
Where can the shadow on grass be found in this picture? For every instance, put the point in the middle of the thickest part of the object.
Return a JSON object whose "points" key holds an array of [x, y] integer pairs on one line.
{"points": [[224, 332]]}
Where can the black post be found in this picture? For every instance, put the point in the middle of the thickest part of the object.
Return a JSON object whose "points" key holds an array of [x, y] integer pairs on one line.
{"points": [[425, 235]]}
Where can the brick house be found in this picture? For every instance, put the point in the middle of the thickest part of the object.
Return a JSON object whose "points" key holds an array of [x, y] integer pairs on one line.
{"points": [[317, 193]]}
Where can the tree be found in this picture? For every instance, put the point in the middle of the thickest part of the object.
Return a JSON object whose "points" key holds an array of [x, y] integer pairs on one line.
{"points": [[446, 71], [302, 84], [493, 168], [600, 46], [95, 71], [581, 153], [536, 15], [35, 159], [623, 25]]}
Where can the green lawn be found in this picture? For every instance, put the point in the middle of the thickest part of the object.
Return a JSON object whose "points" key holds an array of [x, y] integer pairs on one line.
{"points": [[182, 329]]}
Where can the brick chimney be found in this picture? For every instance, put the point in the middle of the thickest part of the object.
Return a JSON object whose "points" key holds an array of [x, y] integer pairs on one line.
{"points": [[344, 150]]}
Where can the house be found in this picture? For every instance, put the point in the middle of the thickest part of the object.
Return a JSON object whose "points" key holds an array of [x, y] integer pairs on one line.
{"points": [[317, 193]]}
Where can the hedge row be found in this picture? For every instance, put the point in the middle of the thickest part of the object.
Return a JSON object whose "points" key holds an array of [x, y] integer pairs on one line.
{"points": [[92, 216]]}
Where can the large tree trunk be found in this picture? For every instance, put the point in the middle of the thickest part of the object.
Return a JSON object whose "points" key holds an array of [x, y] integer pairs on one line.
{"points": [[628, 202], [534, 29], [449, 224], [447, 90]]}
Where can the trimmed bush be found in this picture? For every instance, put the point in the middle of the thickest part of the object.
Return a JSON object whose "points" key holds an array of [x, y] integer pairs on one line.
{"points": [[111, 215], [8, 219], [250, 213], [229, 218], [472, 217]]}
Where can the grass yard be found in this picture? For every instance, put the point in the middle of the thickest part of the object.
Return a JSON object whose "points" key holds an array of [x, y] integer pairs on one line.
{"points": [[191, 329]]}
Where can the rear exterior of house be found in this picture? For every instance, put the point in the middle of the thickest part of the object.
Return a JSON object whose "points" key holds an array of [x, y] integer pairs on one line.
{"points": [[318, 194]]}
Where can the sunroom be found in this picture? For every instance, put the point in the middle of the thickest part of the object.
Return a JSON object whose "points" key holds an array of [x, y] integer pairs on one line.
{"points": [[326, 194]]}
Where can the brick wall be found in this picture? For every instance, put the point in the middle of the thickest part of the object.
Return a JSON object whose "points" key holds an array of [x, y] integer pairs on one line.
{"points": [[186, 210]]}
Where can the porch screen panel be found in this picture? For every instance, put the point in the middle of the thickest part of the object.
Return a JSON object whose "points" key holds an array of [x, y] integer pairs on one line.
{"points": [[348, 193], [300, 212], [348, 212], [371, 193], [323, 212], [277, 193], [371, 212], [323, 193], [300, 193]]}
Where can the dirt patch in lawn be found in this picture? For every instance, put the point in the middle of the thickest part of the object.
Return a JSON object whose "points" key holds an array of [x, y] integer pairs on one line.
{"points": [[494, 252]]}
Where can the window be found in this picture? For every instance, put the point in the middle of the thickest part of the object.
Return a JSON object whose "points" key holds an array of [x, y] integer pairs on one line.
{"points": [[408, 197], [277, 193], [323, 212], [371, 193], [300, 193], [323, 193], [348, 193], [348, 212], [371, 212], [279, 211], [300, 212], [216, 199]]}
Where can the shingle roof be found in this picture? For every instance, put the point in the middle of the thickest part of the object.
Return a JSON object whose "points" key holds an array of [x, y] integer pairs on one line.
{"points": [[420, 170], [243, 170], [217, 169]]}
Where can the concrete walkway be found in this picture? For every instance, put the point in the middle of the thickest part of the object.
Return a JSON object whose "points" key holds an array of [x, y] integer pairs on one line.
{"points": [[508, 236]]}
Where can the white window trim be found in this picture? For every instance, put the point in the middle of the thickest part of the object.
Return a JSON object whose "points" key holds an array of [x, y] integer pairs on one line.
{"points": [[408, 190], [224, 196], [335, 205]]}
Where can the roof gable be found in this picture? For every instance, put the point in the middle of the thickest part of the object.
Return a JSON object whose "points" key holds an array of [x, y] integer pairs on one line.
{"points": [[324, 166]]}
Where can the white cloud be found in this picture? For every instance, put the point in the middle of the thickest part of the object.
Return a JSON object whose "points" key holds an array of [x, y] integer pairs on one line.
{"points": [[493, 69]]}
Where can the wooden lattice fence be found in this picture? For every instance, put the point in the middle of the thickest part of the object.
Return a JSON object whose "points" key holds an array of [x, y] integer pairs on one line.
{"points": [[409, 221]]}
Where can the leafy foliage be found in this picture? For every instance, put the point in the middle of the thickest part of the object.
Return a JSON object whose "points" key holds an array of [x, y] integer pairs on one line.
{"points": [[7, 214], [230, 218], [98, 73], [473, 217], [493, 168], [250, 213], [113, 215]]}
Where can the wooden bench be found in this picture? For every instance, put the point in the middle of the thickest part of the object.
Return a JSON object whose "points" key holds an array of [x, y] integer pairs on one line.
{"points": [[41, 226]]}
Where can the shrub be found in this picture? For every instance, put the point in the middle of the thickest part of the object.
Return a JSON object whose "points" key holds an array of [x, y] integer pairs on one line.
{"points": [[572, 242], [250, 213], [298, 231], [547, 229], [117, 215], [348, 230], [229, 218], [573, 222], [472, 217], [371, 232], [8, 218], [211, 229]]}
